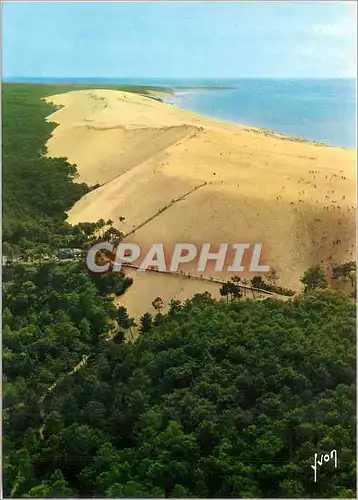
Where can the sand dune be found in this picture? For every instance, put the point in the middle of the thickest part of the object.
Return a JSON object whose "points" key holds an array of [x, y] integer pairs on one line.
{"points": [[297, 198]]}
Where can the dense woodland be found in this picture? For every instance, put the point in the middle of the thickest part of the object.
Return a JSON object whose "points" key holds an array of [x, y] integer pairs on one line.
{"points": [[228, 398]]}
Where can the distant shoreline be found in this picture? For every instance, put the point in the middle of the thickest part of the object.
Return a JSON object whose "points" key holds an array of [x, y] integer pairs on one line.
{"points": [[110, 85], [160, 92]]}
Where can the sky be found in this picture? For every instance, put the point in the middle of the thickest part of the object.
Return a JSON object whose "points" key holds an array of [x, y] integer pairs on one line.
{"points": [[179, 39]]}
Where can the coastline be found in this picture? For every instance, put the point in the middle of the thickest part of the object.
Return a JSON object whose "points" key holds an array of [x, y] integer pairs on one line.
{"points": [[317, 111], [171, 95], [162, 94], [294, 197]]}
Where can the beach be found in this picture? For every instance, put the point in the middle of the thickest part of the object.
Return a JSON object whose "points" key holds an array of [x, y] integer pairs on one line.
{"points": [[220, 182]]}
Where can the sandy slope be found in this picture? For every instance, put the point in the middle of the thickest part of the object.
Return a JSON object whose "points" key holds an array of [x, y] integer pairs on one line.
{"points": [[297, 198]]}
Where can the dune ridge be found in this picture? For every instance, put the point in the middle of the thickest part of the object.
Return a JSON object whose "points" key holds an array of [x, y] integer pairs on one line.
{"points": [[297, 198]]}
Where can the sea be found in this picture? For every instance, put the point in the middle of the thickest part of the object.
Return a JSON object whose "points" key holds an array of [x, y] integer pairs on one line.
{"points": [[321, 110]]}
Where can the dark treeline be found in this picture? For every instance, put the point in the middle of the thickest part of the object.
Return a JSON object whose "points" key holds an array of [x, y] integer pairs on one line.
{"points": [[227, 398], [37, 191], [54, 314]]}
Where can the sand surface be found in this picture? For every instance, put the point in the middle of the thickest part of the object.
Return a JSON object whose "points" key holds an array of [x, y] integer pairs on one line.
{"points": [[297, 198]]}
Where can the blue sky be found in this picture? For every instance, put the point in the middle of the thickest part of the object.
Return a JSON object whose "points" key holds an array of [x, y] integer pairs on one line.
{"points": [[179, 39]]}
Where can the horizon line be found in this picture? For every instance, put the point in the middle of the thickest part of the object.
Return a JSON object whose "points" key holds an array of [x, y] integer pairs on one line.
{"points": [[183, 77]]}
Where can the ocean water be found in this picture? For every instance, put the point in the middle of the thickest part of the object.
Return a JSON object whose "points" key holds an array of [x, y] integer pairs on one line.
{"points": [[317, 110]]}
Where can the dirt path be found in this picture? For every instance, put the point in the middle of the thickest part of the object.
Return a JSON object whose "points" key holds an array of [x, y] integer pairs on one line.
{"points": [[161, 210]]}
